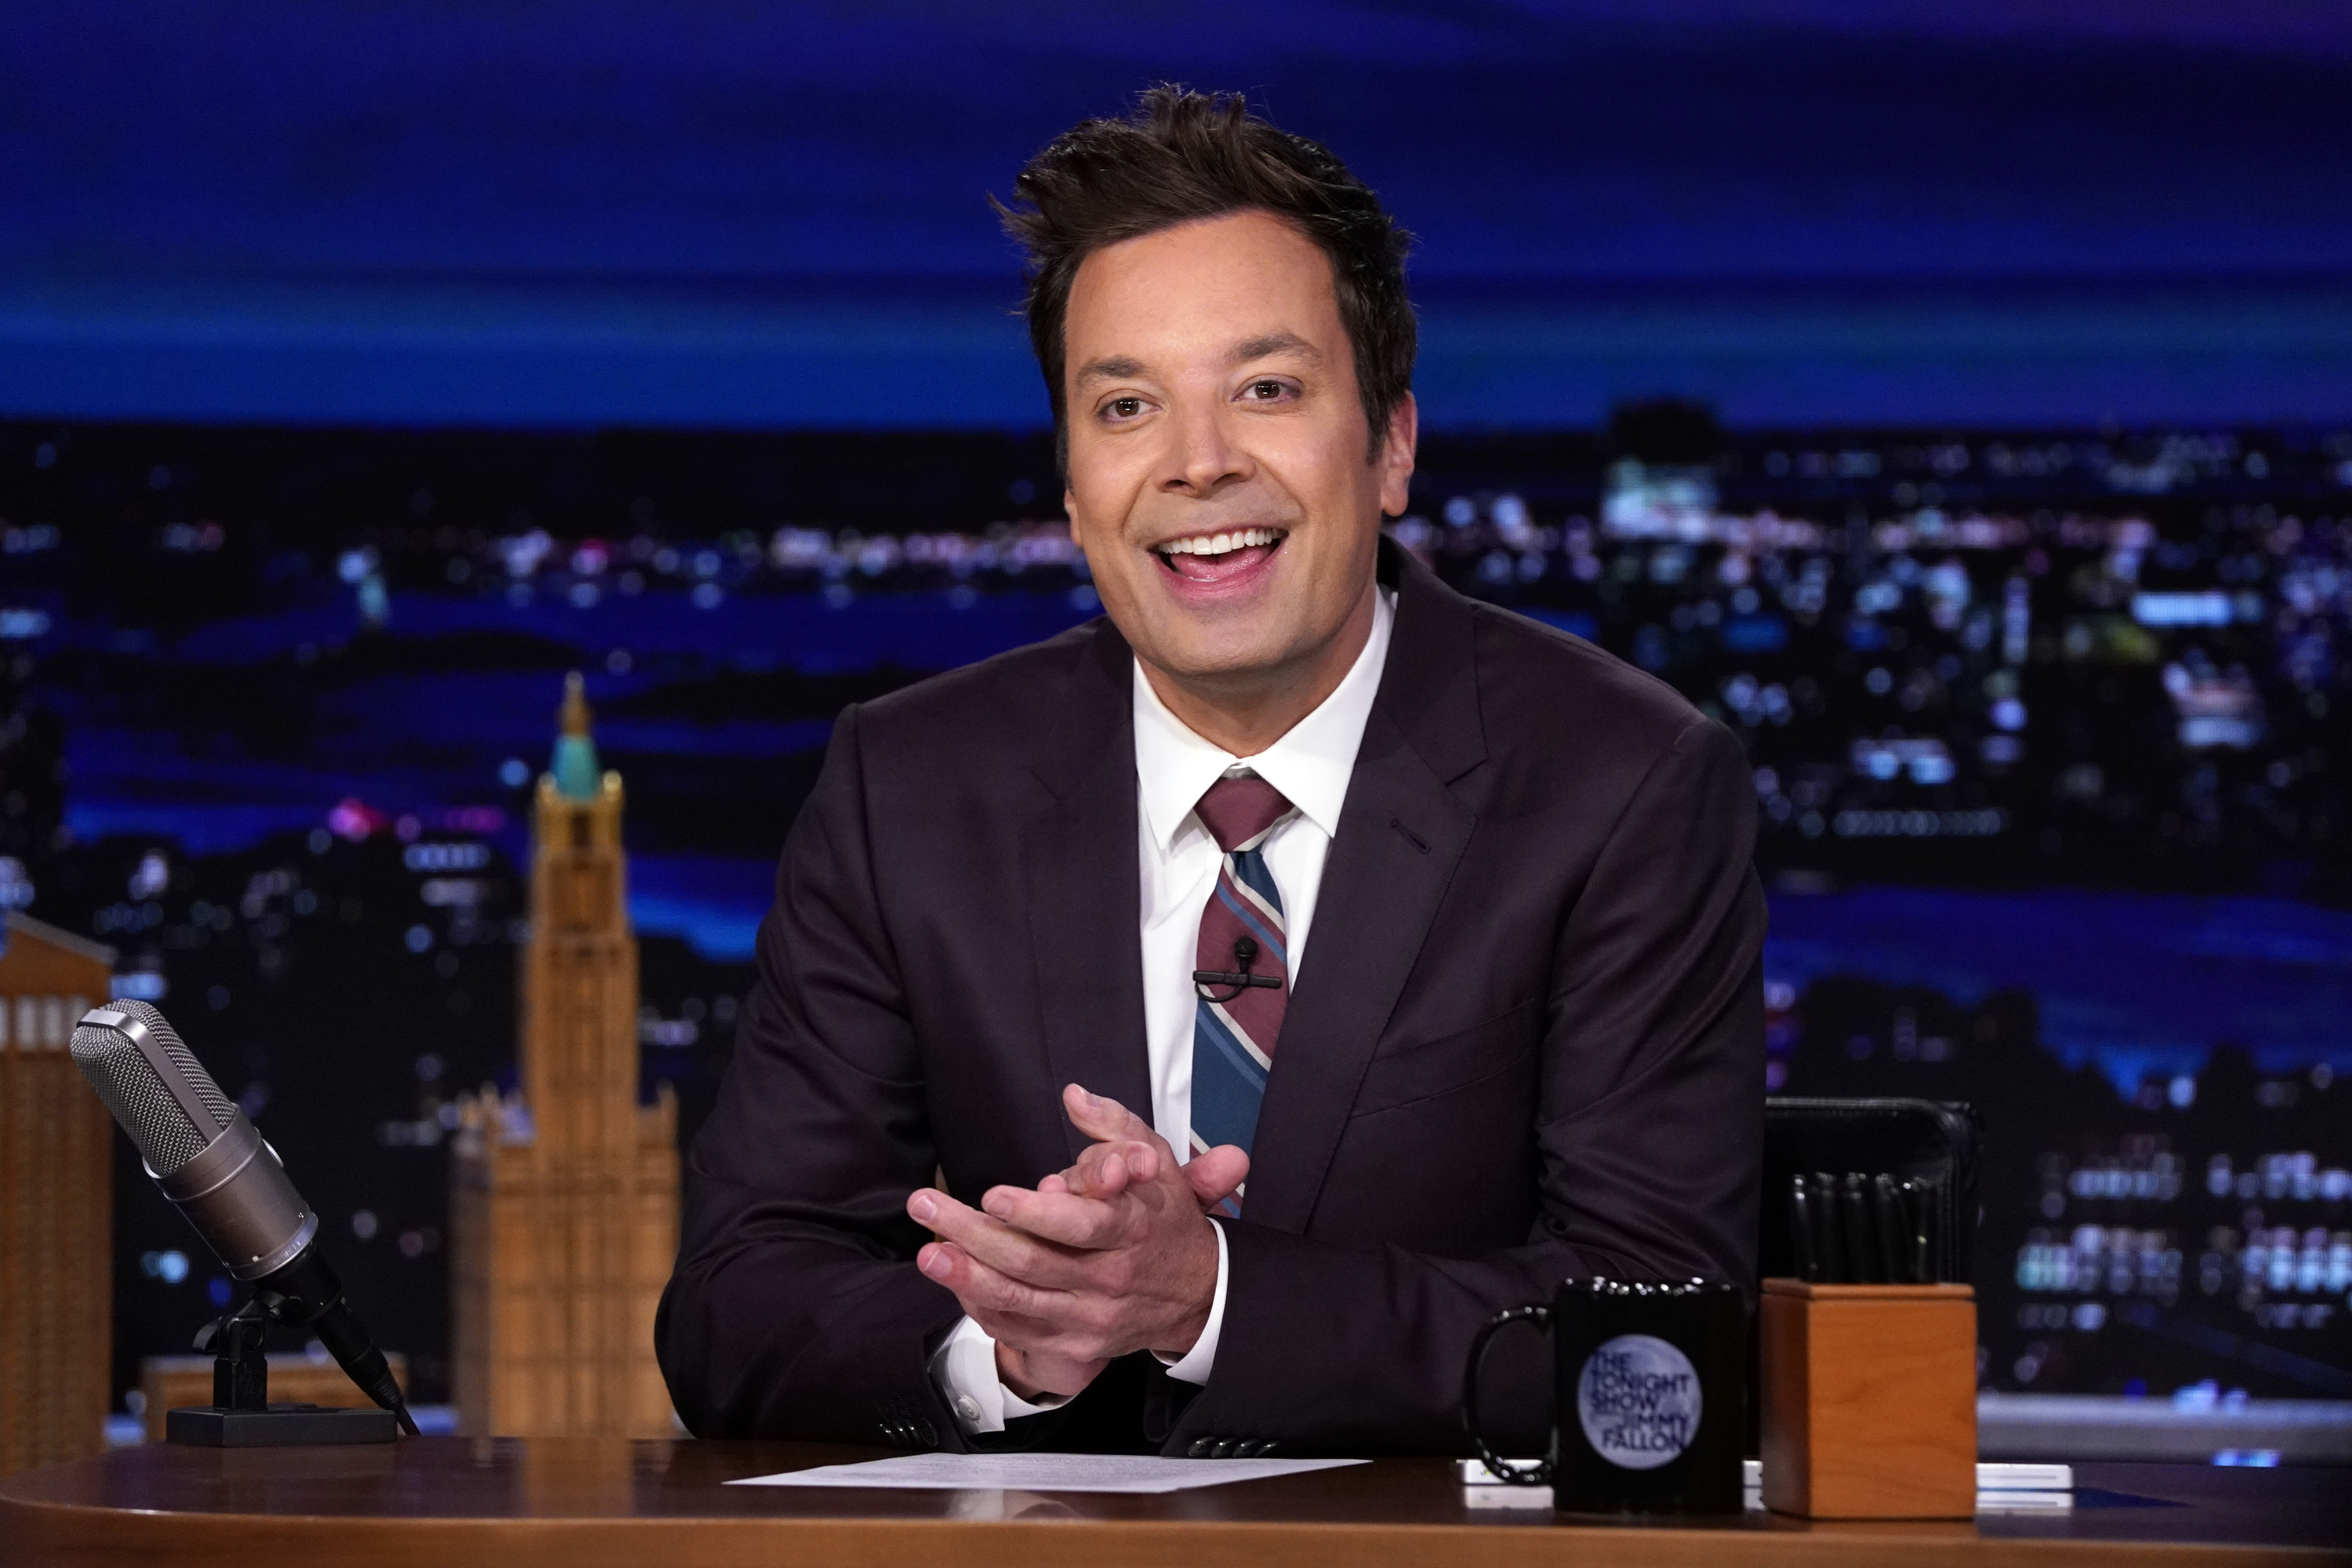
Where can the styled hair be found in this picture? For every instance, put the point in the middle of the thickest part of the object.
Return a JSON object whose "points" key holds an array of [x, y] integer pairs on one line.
{"points": [[1183, 156]]}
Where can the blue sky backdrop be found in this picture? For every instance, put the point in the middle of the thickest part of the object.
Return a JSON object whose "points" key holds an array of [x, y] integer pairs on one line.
{"points": [[698, 213]]}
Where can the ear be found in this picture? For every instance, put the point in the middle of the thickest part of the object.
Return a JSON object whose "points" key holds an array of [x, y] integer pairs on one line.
{"points": [[1395, 460]]}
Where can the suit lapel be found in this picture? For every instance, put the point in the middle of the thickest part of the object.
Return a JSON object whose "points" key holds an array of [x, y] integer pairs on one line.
{"points": [[1401, 835], [1078, 856]]}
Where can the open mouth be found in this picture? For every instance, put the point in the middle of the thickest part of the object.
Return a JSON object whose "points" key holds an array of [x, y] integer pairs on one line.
{"points": [[1220, 557]]}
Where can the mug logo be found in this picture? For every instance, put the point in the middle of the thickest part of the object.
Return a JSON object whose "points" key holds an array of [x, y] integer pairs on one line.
{"points": [[1638, 1397]]}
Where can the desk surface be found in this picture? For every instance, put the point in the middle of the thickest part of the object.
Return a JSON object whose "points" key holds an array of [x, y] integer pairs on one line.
{"points": [[583, 1503]]}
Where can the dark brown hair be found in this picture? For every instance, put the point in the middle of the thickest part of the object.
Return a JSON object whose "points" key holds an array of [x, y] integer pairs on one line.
{"points": [[1183, 156]]}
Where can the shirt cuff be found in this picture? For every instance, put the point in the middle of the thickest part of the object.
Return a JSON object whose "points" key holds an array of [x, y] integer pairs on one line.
{"points": [[963, 1369], [1194, 1364]]}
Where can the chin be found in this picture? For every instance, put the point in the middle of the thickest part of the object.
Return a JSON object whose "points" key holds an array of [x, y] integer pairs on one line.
{"points": [[1221, 659]]}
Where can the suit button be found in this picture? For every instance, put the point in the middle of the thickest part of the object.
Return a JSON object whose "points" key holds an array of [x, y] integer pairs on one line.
{"points": [[1199, 1450], [1249, 1450], [1222, 1450], [926, 1435]]}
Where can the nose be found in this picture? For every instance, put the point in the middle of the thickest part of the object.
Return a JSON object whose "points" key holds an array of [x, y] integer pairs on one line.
{"points": [[1202, 457]]}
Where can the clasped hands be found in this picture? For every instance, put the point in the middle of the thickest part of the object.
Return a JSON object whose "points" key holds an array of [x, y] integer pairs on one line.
{"points": [[1114, 1255]]}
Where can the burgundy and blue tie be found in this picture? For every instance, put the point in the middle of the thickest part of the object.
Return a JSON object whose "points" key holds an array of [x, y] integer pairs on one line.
{"points": [[1243, 981]]}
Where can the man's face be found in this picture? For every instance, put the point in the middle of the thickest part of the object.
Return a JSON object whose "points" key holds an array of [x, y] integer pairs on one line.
{"points": [[1219, 482]]}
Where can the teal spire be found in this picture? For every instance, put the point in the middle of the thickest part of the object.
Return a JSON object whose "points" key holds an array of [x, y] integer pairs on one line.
{"points": [[574, 768]]}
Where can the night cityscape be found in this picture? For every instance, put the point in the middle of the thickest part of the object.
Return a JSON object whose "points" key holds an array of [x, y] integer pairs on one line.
{"points": [[2047, 731]]}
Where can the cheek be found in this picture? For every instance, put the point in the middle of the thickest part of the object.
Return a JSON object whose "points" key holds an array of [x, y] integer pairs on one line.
{"points": [[1094, 521], [1339, 496], [1085, 533], [1116, 568], [1101, 497]]}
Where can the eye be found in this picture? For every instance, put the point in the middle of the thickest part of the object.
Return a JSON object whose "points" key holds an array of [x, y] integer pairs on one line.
{"points": [[1123, 407], [1266, 391]]}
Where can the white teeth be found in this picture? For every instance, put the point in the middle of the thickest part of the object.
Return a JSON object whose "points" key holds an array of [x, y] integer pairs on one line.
{"points": [[1220, 543]]}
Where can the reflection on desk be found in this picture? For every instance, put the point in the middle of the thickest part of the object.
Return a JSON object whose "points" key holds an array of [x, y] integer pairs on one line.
{"points": [[583, 1503]]}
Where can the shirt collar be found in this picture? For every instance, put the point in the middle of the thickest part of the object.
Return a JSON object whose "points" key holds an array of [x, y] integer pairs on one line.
{"points": [[1311, 764]]}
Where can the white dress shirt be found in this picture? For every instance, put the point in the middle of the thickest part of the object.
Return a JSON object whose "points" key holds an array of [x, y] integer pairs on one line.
{"points": [[1311, 764]]}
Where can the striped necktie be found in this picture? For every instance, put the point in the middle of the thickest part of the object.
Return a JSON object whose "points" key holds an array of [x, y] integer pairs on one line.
{"points": [[1241, 984]]}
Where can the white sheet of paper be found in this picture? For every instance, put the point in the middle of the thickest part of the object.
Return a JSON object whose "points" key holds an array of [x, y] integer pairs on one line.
{"points": [[1041, 1472]]}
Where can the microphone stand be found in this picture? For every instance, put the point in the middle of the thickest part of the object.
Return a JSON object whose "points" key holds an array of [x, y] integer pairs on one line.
{"points": [[241, 1415]]}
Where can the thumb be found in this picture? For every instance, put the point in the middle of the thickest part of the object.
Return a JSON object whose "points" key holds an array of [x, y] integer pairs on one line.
{"points": [[1103, 1119], [1216, 1174]]}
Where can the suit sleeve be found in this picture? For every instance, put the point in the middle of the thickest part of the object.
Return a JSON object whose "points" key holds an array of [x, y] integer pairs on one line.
{"points": [[795, 1309], [1649, 1133]]}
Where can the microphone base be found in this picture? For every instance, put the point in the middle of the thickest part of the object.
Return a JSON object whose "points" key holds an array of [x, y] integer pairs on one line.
{"points": [[279, 1426]]}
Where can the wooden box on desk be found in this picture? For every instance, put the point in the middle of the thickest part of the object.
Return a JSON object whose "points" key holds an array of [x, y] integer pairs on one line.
{"points": [[1870, 1400]]}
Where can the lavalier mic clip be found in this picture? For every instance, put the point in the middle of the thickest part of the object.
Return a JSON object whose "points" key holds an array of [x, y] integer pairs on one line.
{"points": [[1239, 978]]}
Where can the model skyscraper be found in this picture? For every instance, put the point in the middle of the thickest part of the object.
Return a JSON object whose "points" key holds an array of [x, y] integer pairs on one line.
{"points": [[564, 1198], [57, 1205]]}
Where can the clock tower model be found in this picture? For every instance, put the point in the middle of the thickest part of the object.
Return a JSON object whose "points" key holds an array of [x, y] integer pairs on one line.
{"points": [[564, 1198]]}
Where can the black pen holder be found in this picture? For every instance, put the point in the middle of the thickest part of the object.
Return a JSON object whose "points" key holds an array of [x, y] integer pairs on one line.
{"points": [[1650, 1397]]}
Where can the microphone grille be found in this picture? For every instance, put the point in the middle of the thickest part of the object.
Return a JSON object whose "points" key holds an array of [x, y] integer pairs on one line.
{"points": [[140, 1102]]}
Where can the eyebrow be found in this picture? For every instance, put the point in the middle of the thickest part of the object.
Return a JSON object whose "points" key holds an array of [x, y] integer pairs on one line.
{"points": [[1115, 368], [1118, 367], [1271, 344]]}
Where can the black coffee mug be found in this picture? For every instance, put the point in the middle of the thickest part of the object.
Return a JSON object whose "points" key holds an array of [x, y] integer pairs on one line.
{"points": [[1650, 1384]]}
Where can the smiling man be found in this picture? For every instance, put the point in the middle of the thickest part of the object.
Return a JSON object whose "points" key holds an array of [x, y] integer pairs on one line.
{"points": [[1047, 1125]]}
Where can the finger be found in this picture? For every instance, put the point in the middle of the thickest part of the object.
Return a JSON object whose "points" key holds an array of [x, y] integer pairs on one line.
{"points": [[1065, 1220], [1104, 1169], [1050, 1323], [999, 1246], [1101, 1118], [1146, 1154], [978, 1234], [1042, 1345], [1065, 1329], [1099, 1171], [1215, 1174], [989, 1295], [928, 1206], [1002, 1204], [945, 1217], [1055, 1374]]}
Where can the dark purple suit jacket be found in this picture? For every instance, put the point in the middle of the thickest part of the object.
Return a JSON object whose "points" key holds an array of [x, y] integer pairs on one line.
{"points": [[1527, 1044]]}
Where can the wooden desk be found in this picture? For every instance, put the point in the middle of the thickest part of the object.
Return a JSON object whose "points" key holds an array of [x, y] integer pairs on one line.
{"points": [[515, 1503]]}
